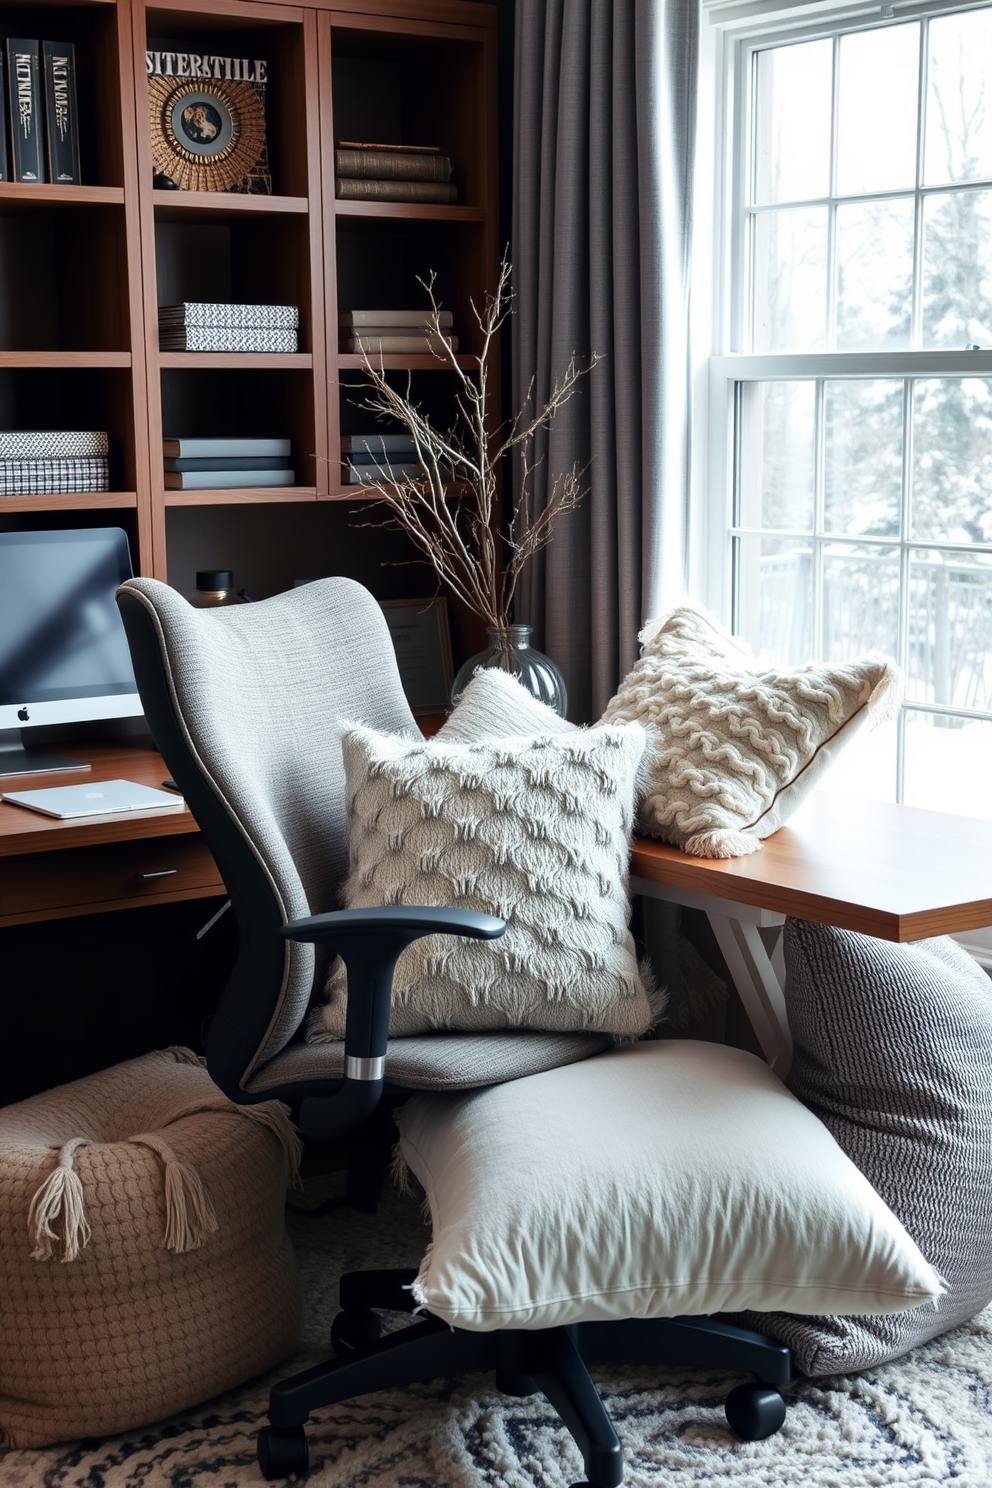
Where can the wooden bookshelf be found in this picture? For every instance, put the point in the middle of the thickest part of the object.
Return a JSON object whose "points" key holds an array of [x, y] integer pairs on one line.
{"points": [[79, 297]]}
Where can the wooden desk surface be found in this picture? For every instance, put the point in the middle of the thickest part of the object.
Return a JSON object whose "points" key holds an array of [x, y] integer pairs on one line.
{"points": [[23, 831], [890, 871]]}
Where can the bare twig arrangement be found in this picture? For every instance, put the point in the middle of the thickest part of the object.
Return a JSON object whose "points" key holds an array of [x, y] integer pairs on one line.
{"points": [[450, 511]]}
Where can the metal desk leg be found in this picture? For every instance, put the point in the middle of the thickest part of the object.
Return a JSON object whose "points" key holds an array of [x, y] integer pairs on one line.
{"points": [[759, 981]]}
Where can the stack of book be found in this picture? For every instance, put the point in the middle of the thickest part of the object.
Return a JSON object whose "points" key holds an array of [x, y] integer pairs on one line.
{"points": [[396, 332], [194, 326], [371, 459], [397, 173], [47, 462], [221, 464], [39, 120]]}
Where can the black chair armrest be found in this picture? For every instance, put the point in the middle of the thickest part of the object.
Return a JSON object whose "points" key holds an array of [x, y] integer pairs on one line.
{"points": [[369, 942]]}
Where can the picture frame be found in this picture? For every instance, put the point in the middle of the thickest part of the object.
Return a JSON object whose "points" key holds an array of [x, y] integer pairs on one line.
{"points": [[422, 642]]}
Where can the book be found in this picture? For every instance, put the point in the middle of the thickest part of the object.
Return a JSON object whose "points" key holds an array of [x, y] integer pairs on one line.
{"points": [[215, 449], [444, 192], [228, 338], [25, 109], [52, 444], [387, 164], [4, 156], [51, 477], [383, 443], [198, 313], [206, 480], [365, 475], [396, 149], [416, 320], [231, 462], [61, 112], [206, 118], [382, 457], [412, 344], [410, 332]]}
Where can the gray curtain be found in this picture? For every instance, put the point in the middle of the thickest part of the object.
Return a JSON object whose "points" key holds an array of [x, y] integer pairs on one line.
{"points": [[604, 127]]}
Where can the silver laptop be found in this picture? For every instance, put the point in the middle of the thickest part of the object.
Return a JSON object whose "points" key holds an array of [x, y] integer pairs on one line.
{"points": [[95, 798]]}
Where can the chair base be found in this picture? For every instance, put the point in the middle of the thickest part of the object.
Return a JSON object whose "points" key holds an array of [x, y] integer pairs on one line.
{"points": [[550, 1360]]}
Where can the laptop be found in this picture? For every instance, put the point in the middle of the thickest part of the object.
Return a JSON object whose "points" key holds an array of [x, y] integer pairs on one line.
{"points": [[95, 798]]}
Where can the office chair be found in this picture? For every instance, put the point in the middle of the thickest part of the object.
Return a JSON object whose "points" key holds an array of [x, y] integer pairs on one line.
{"points": [[246, 706]]}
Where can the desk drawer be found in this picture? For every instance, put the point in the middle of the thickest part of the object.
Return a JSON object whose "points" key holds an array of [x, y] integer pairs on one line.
{"points": [[118, 875]]}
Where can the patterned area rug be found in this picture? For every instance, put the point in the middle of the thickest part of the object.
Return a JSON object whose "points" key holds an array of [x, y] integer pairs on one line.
{"points": [[926, 1419]]}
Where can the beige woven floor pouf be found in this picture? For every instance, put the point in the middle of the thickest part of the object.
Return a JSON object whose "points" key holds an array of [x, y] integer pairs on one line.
{"points": [[144, 1259]]}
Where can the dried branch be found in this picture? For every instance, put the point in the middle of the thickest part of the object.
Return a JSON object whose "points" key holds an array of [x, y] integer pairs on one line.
{"points": [[449, 511]]}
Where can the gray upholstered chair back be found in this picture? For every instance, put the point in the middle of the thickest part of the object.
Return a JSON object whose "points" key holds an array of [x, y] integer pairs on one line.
{"points": [[260, 694]]}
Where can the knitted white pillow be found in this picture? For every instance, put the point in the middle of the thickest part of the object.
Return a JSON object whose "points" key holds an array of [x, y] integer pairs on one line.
{"points": [[739, 748], [534, 829], [494, 705]]}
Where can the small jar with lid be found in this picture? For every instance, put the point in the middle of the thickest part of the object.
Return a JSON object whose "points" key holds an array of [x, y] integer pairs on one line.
{"points": [[214, 588]]}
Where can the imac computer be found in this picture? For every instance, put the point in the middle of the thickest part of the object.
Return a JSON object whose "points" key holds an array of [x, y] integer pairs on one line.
{"points": [[63, 653]]}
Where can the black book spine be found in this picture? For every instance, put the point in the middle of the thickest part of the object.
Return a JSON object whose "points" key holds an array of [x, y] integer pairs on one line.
{"points": [[4, 157], [61, 114], [24, 95]]}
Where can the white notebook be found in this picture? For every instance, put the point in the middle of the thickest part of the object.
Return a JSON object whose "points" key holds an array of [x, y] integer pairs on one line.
{"points": [[95, 798]]}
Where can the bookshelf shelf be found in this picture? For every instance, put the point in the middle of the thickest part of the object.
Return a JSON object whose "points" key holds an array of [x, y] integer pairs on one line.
{"points": [[84, 270]]}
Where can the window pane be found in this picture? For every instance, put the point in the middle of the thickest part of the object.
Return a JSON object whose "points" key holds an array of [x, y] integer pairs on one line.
{"points": [[950, 623], [957, 269], [860, 600], [947, 765], [959, 98], [790, 280], [775, 482], [793, 86], [862, 472], [775, 598], [874, 275], [952, 459], [877, 109]]}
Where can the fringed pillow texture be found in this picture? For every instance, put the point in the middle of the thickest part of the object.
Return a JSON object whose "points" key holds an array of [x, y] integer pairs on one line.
{"points": [[534, 829], [893, 1052], [144, 1259], [669, 1176], [739, 746]]}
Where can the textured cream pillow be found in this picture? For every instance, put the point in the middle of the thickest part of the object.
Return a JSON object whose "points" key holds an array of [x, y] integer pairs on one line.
{"points": [[535, 830], [662, 1178], [495, 706], [739, 747]]}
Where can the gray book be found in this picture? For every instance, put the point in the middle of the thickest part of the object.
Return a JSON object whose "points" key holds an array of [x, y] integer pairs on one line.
{"points": [[414, 320], [209, 448], [375, 443], [372, 475], [53, 444], [53, 477], [227, 338], [224, 480], [201, 313]]}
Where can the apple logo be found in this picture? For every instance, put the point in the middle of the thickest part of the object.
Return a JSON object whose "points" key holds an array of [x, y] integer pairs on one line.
{"points": [[23, 714]]}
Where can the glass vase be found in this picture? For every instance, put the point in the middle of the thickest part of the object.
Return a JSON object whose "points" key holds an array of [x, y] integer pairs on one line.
{"points": [[510, 650]]}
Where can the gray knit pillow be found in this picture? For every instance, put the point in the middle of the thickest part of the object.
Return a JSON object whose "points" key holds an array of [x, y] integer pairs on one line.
{"points": [[534, 829], [894, 1054]]}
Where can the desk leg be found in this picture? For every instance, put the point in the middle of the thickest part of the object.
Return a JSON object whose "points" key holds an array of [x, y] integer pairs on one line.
{"points": [[758, 978]]}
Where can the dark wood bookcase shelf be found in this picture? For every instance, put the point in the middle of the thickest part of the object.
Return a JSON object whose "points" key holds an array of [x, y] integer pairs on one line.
{"points": [[97, 260]]}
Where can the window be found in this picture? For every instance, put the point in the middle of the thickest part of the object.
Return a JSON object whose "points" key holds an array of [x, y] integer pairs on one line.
{"points": [[855, 379]]}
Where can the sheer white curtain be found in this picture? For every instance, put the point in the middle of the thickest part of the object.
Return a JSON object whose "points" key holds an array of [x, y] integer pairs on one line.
{"points": [[604, 128]]}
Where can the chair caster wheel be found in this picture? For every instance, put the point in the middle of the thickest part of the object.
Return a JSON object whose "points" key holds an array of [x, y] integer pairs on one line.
{"points": [[353, 1332], [754, 1411], [282, 1452]]}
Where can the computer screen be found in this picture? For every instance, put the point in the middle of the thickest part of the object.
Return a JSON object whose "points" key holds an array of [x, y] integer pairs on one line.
{"points": [[63, 653]]}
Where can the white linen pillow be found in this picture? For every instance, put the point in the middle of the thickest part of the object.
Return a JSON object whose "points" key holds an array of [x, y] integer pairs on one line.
{"points": [[667, 1177], [495, 706], [534, 829], [740, 745]]}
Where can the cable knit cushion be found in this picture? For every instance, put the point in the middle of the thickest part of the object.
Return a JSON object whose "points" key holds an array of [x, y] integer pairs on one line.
{"points": [[739, 747], [533, 829], [144, 1260], [666, 1177], [893, 1051], [495, 706]]}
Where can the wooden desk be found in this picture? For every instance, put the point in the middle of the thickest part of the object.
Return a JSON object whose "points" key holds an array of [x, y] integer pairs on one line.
{"points": [[890, 871], [53, 869]]}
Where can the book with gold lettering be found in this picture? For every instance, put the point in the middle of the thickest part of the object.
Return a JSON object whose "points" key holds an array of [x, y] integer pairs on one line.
{"points": [[25, 110]]}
